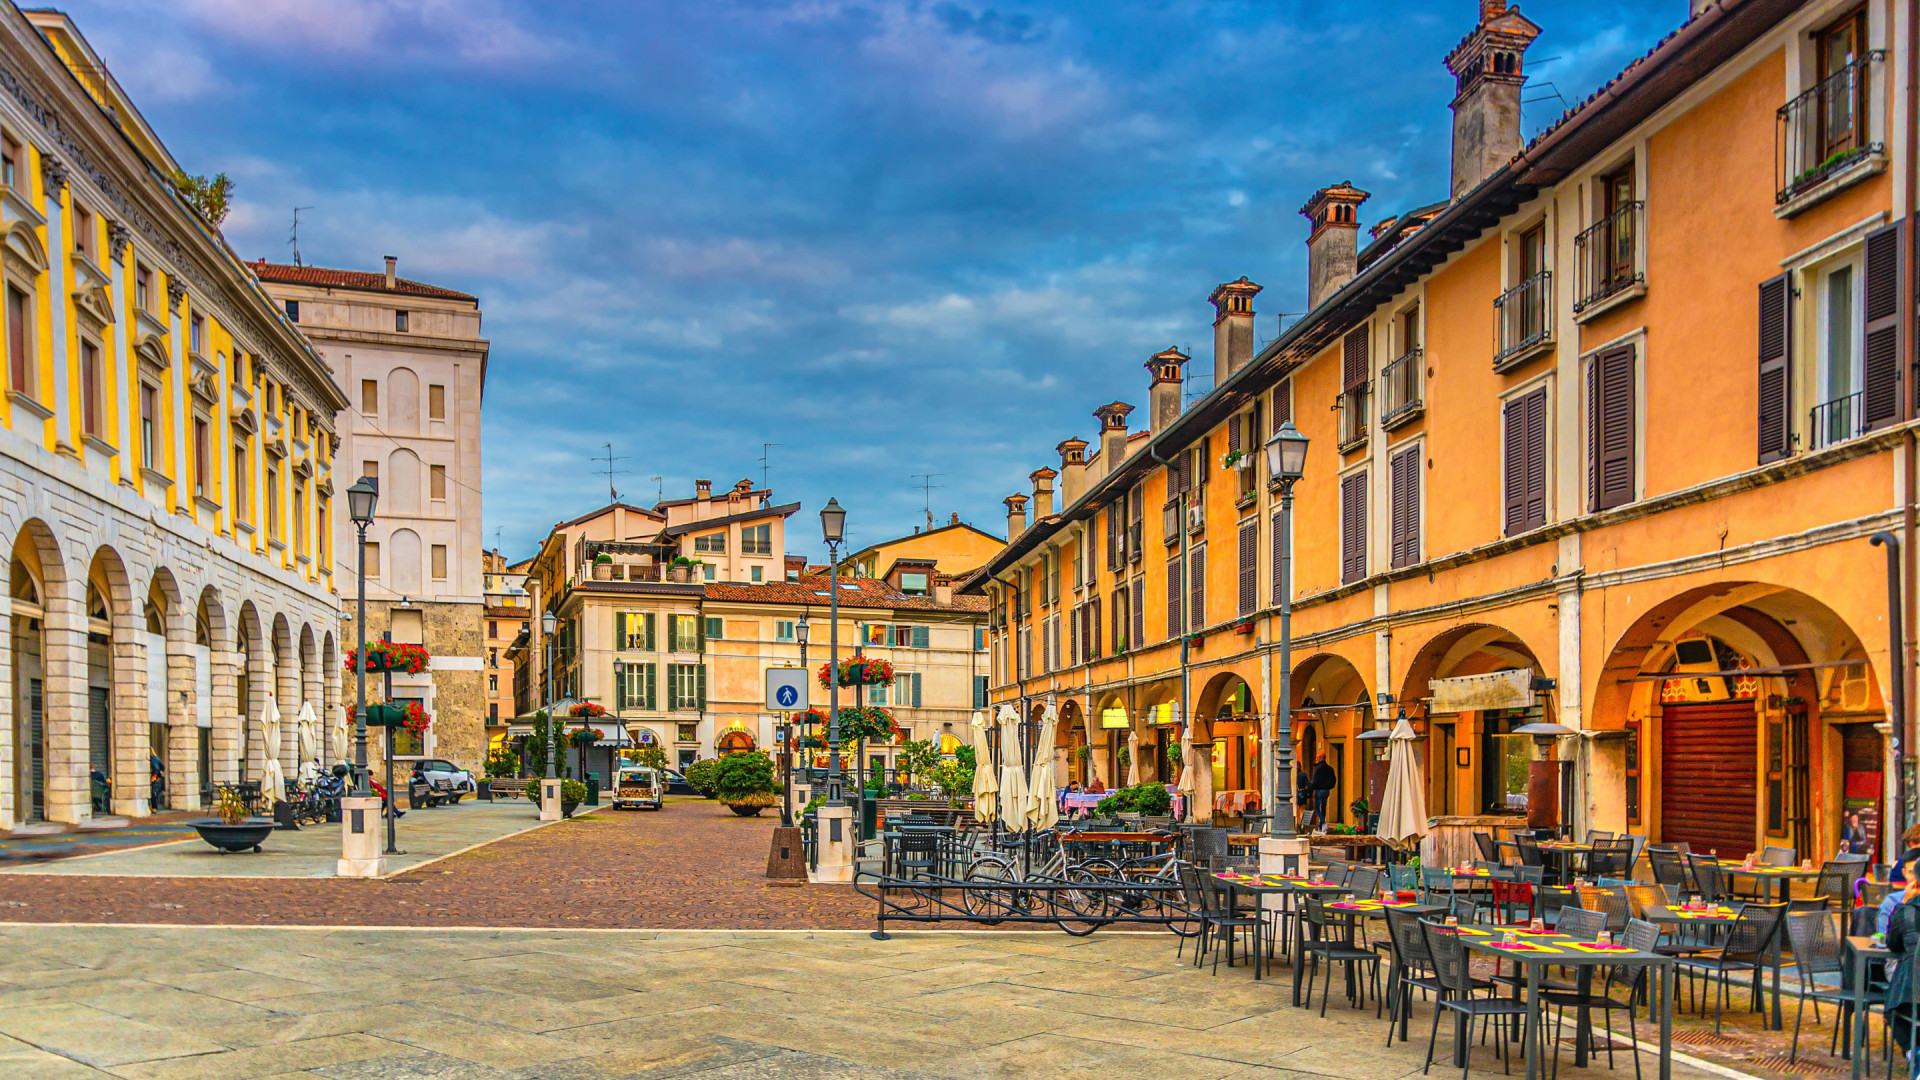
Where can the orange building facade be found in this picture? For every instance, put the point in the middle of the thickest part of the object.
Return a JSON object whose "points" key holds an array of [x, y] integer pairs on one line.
{"points": [[1598, 440]]}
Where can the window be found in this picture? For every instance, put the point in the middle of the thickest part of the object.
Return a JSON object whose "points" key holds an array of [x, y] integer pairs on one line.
{"points": [[1609, 248], [755, 540], [90, 404], [906, 689], [979, 639], [493, 628], [877, 695], [706, 572], [273, 503], [1825, 129], [83, 226], [683, 634], [1353, 526], [202, 457], [1522, 314], [143, 288], [783, 630], [149, 420], [1249, 566], [711, 543], [1355, 369], [370, 397], [1524, 462], [19, 356], [980, 691], [1403, 481], [326, 539], [1610, 428], [686, 687], [400, 322], [439, 557], [493, 684], [405, 743], [493, 712], [634, 630], [753, 573], [293, 311], [13, 159], [1197, 587], [716, 629], [370, 470], [197, 334], [373, 559], [636, 689], [238, 477], [1174, 598], [436, 402], [437, 482]]}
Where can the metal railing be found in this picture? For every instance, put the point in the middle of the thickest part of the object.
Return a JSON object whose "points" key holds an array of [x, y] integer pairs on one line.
{"points": [[1608, 256], [1824, 130], [1401, 386], [1353, 417], [1523, 317], [1837, 420]]}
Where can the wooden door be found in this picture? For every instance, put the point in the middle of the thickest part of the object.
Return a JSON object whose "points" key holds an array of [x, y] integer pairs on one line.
{"points": [[1709, 782]]}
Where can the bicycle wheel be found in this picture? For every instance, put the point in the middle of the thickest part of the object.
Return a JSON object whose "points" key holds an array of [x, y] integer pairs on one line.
{"points": [[989, 905], [1086, 905]]}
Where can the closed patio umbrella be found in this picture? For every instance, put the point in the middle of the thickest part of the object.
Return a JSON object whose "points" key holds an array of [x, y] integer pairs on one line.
{"points": [[1133, 758], [1013, 772], [986, 786], [1185, 784], [1043, 803], [1403, 805], [308, 725]]}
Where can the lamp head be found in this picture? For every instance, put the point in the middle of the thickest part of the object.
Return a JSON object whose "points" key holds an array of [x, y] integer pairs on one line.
{"points": [[833, 522], [1287, 453], [547, 622], [801, 629], [361, 499]]}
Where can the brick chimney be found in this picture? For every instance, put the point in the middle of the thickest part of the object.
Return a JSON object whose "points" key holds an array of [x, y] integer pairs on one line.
{"points": [[1232, 327], [392, 263], [1168, 368], [1113, 434], [1073, 470], [1332, 246], [1016, 515], [1042, 478], [1486, 102]]}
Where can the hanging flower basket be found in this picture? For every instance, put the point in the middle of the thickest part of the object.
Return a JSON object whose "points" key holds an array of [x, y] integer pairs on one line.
{"points": [[587, 710], [385, 656], [811, 716], [417, 720], [859, 671], [869, 722], [586, 736], [812, 742]]}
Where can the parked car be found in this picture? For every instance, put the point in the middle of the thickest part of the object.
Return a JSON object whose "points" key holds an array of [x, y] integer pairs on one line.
{"points": [[640, 788], [676, 783], [448, 781]]}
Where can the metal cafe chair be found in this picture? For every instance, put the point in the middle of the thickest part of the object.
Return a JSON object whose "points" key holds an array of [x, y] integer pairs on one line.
{"points": [[1816, 953], [1453, 971], [1641, 936], [1777, 856], [1744, 952], [1330, 938]]}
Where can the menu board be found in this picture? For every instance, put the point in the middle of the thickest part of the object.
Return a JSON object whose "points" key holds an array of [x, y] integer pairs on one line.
{"points": [[1860, 813]]}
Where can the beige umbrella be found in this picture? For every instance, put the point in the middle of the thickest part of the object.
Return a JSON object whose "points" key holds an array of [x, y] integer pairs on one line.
{"points": [[1403, 805], [1043, 804], [1133, 758], [1185, 784], [337, 734], [1013, 774], [273, 785], [308, 726], [986, 787]]}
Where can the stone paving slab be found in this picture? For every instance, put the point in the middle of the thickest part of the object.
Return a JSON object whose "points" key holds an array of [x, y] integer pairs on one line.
{"points": [[657, 1005]]}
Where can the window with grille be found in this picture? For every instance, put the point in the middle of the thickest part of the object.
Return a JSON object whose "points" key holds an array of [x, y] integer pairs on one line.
{"points": [[686, 686]]}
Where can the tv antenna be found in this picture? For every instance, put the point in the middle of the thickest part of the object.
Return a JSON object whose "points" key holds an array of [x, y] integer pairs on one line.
{"points": [[293, 234], [764, 447], [659, 487], [612, 495], [926, 492]]}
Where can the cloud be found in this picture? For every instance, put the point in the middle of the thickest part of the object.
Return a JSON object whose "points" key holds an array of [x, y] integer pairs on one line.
{"points": [[474, 31]]}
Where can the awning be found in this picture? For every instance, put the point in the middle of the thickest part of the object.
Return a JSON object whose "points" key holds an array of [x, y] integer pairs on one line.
{"points": [[612, 732], [515, 731], [1510, 689]]}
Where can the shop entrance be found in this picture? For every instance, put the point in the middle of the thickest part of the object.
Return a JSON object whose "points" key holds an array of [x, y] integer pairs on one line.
{"points": [[1709, 784]]}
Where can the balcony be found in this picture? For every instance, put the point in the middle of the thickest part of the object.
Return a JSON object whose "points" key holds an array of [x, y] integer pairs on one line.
{"points": [[1523, 321], [1401, 389], [1353, 418], [1837, 421], [1821, 138], [1609, 258]]}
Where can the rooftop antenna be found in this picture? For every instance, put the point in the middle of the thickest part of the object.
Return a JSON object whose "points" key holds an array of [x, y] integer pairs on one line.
{"points": [[293, 235], [926, 491], [764, 447], [612, 495], [659, 488]]}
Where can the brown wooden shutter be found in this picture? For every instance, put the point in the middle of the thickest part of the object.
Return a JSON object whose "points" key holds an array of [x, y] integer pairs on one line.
{"points": [[1776, 378], [1249, 566], [1282, 403], [1610, 428], [1404, 488], [1233, 434], [1093, 628], [1880, 362], [1137, 611], [1174, 622], [1197, 586], [1353, 359], [1113, 537], [1524, 462], [1274, 552], [1353, 527]]}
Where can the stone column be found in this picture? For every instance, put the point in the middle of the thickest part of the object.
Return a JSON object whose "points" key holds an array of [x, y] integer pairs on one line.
{"points": [[225, 685], [69, 796], [287, 688], [260, 683], [132, 742], [183, 718], [9, 753]]}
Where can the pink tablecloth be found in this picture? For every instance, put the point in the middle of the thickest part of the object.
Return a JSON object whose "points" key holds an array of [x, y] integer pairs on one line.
{"points": [[1236, 802]]}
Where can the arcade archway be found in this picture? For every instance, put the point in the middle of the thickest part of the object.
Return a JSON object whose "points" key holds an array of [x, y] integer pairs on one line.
{"points": [[1472, 684]]}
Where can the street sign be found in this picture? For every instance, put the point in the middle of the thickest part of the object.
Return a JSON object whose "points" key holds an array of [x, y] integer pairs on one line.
{"points": [[786, 689]]}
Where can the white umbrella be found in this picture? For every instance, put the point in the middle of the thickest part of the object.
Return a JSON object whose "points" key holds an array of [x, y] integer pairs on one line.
{"points": [[1043, 804], [337, 734], [308, 727], [1133, 758], [1403, 805], [1185, 784], [274, 783], [1013, 774], [986, 786]]}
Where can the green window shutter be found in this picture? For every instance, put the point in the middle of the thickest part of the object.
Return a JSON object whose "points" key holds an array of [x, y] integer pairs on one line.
{"points": [[700, 687], [916, 689], [673, 634], [619, 630], [649, 631], [919, 640], [620, 688], [700, 628], [646, 687]]}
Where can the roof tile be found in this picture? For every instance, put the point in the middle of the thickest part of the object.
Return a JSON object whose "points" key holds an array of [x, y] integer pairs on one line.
{"points": [[348, 279]]}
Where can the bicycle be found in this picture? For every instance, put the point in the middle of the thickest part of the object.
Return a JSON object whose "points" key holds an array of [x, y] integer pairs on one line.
{"points": [[1015, 896]]}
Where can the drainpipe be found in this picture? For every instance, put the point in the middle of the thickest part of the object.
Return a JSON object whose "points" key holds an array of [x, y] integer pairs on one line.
{"points": [[1904, 632], [1186, 717]]}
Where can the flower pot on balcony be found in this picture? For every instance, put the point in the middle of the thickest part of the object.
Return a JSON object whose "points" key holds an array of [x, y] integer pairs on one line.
{"points": [[678, 574], [603, 571]]}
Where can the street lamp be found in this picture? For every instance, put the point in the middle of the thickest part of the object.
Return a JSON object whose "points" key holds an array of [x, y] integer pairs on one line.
{"points": [[833, 529], [362, 497], [1286, 462], [802, 632], [547, 623]]}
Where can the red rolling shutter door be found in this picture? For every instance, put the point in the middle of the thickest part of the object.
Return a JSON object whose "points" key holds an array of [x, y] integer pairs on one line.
{"points": [[1708, 784]]}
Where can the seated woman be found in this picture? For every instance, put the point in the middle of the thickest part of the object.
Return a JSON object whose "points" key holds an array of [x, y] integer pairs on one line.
{"points": [[1903, 945]]}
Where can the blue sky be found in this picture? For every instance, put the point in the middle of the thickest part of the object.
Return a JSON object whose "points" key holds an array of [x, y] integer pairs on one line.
{"points": [[894, 238]]}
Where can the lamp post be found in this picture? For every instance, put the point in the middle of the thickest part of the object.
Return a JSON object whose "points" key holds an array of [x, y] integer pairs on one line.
{"points": [[833, 529], [619, 702], [547, 623], [1286, 461], [800, 633], [362, 497]]}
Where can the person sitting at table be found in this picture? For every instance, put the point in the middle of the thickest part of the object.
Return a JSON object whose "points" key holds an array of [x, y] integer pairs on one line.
{"points": [[1908, 840], [1903, 947], [1096, 788]]}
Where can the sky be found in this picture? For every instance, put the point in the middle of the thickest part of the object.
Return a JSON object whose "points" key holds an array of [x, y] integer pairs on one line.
{"points": [[892, 238]]}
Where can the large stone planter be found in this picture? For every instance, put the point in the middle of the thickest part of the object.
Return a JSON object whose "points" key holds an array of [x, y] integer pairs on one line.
{"points": [[567, 808], [746, 809], [247, 834], [602, 571]]}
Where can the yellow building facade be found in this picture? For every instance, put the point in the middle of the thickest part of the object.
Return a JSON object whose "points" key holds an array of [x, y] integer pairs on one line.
{"points": [[1599, 439]]}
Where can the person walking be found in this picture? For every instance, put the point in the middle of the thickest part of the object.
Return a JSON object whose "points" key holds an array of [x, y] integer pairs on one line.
{"points": [[1324, 781], [1303, 796]]}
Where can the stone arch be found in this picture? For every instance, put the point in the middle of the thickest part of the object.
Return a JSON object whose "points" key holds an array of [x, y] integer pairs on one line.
{"points": [[1481, 786], [403, 562], [402, 492], [311, 693], [1225, 733], [403, 401], [119, 740], [734, 741], [169, 619], [1069, 736], [286, 692], [40, 784], [253, 672], [1332, 704], [214, 649]]}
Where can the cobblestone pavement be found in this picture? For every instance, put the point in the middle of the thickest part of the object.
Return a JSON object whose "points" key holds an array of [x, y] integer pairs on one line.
{"points": [[181, 1004], [692, 865]]}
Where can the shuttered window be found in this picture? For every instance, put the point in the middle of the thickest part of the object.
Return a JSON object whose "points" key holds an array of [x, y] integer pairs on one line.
{"points": [[1524, 464], [1404, 489], [1610, 428], [1276, 551], [1776, 380], [1197, 586], [1249, 566], [1880, 358], [1093, 628], [1353, 359], [1174, 583], [1233, 434], [1121, 642], [1282, 403], [1136, 518], [1056, 643], [1353, 526], [1113, 537], [1137, 612]]}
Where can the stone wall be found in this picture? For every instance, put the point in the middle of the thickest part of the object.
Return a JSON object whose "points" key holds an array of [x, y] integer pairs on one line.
{"points": [[454, 688]]}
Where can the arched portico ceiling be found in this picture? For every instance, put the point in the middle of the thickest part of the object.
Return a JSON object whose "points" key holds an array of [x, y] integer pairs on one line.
{"points": [[1475, 649], [1327, 679]]}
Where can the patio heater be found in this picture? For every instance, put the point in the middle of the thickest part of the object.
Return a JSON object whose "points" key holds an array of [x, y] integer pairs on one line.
{"points": [[1286, 463], [1543, 773], [1377, 740], [362, 497], [833, 529]]}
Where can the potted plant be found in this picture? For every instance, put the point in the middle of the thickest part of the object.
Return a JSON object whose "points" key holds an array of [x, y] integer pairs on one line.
{"points": [[603, 567], [231, 829], [859, 671], [383, 656], [572, 794], [680, 568], [585, 737], [1126, 759], [700, 777], [587, 710], [1173, 756], [746, 783], [1244, 626]]}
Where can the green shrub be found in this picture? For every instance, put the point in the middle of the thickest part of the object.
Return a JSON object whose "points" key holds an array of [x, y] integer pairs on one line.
{"points": [[570, 791], [701, 777], [740, 775], [651, 756], [503, 761], [1150, 800]]}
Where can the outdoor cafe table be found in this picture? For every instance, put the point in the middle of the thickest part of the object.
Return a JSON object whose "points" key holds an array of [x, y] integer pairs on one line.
{"points": [[1864, 952], [1720, 915], [1534, 951], [1258, 885], [1565, 851], [1775, 881]]}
